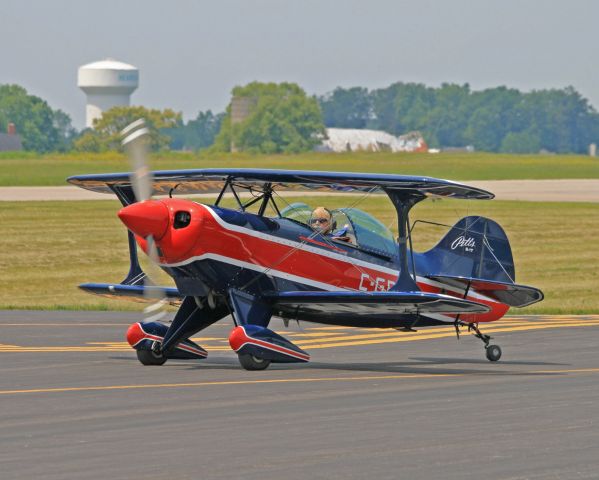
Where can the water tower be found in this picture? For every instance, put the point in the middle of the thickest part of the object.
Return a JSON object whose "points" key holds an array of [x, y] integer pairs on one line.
{"points": [[107, 83]]}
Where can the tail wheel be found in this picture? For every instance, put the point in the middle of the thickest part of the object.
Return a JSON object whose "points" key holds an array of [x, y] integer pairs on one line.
{"points": [[493, 353], [151, 357], [250, 362]]}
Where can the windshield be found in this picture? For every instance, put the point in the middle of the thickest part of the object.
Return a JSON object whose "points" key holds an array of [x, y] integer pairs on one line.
{"points": [[369, 232], [351, 226], [298, 211]]}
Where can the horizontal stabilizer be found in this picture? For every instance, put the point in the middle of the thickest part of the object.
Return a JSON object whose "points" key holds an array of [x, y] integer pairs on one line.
{"points": [[372, 303], [509, 293], [135, 293]]}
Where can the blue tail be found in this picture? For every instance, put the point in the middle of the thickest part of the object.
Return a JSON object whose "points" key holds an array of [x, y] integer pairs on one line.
{"points": [[475, 247]]}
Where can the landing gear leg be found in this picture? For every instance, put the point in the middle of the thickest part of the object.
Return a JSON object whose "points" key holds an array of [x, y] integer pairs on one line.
{"points": [[493, 352]]}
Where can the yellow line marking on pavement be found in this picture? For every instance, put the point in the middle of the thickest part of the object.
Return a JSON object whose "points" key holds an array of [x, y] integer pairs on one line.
{"points": [[572, 370], [341, 337], [316, 334], [349, 341], [279, 380], [225, 382], [407, 336], [385, 335]]}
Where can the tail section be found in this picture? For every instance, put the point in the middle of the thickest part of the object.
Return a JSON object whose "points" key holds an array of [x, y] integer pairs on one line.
{"points": [[475, 247]]}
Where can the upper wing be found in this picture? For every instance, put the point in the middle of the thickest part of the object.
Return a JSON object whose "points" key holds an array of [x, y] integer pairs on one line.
{"points": [[211, 181]]}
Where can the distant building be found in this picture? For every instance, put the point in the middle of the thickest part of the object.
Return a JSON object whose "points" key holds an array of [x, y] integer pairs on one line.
{"points": [[354, 140], [240, 110], [10, 141]]}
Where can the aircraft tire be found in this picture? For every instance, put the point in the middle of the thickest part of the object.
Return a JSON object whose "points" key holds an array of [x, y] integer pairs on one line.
{"points": [[149, 357], [493, 353], [249, 362]]}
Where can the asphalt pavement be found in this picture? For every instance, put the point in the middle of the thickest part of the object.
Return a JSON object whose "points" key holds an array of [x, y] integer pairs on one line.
{"points": [[75, 403]]}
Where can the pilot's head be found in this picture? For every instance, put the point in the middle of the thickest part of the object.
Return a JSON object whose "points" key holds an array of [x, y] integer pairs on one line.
{"points": [[322, 220]]}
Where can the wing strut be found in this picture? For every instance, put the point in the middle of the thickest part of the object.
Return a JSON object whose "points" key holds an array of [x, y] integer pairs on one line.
{"points": [[136, 274], [403, 203]]}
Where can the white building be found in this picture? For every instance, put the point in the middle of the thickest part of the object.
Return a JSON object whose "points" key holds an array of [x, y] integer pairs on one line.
{"points": [[349, 139], [107, 83]]}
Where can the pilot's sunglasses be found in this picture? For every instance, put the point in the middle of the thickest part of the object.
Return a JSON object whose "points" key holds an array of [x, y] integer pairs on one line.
{"points": [[319, 220]]}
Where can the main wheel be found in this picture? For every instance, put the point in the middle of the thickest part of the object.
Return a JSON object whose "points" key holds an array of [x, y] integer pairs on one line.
{"points": [[493, 353], [249, 362], [150, 357]]}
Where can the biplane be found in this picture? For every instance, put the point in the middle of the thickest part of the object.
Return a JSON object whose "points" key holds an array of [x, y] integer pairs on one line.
{"points": [[257, 260]]}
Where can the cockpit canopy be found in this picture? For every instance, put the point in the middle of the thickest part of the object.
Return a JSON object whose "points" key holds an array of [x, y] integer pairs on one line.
{"points": [[364, 231]]}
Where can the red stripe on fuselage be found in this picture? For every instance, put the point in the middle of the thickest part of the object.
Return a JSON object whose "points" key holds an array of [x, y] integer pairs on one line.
{"points": [[321, 244]]}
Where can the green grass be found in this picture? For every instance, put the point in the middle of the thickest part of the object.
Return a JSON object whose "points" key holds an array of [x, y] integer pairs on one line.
{"points": [[51, 247], [27, 169]]}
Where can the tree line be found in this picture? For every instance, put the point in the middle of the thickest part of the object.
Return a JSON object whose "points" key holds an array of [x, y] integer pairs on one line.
{"points": [[497, 119], [282, 118]]}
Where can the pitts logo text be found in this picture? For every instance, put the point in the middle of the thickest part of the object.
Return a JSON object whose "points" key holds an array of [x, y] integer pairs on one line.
{"points": [[469, 244]]}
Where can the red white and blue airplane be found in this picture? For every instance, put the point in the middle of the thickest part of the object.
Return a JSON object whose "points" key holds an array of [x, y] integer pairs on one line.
{"points": [[253, 266]]}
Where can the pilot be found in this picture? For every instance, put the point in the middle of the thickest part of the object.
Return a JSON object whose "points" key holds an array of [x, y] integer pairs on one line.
{"points": [[322, 222]]}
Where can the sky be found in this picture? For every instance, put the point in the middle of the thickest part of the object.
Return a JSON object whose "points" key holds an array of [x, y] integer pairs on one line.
{"points": [[191, 53]]}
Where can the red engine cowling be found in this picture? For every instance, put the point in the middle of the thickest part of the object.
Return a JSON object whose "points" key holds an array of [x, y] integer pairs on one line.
{"points": [[176, 226]]}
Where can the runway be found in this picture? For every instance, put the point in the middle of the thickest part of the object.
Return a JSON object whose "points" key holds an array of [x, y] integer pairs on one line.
{"points": [[75, 403], [560, 190]]}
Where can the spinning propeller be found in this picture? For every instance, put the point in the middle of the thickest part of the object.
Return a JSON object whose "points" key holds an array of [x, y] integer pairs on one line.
{"points": [[135, 140]]}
